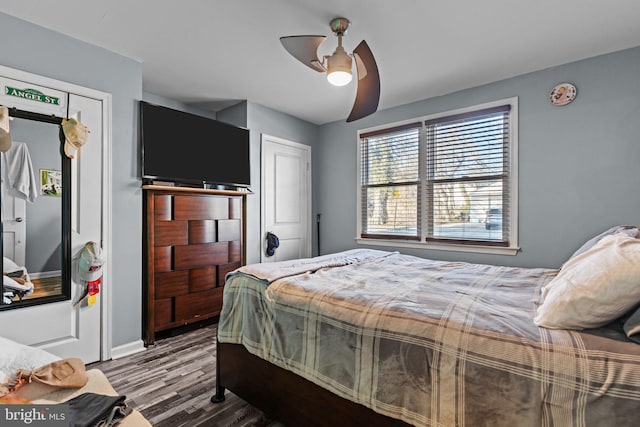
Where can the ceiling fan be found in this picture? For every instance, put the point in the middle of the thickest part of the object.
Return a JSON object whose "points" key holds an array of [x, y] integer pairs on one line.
{"points": [[338, 66]]}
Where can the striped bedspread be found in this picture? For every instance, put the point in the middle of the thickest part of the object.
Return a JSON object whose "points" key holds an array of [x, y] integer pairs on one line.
{"points": [[432, 343]]}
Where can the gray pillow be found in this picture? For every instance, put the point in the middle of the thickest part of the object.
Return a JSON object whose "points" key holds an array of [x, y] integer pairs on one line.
{"points": [[630, 230], [632, 326]]}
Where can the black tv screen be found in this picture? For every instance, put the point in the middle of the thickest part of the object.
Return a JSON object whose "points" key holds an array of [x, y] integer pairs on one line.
{"points": [[185, 148]]}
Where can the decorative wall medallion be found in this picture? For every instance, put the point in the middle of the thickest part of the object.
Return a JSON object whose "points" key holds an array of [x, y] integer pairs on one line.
{"points": [[562, 94]]}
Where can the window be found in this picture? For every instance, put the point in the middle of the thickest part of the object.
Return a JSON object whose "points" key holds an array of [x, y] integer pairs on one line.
{"points": [[391, 182], [445, 181]]}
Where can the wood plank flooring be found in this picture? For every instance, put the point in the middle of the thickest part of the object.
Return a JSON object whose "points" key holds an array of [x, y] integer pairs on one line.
{"points": [[172, 381], [46, 286]]}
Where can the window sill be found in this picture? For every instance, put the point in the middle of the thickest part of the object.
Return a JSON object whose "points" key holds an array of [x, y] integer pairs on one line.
{"points": [[478, 249]]}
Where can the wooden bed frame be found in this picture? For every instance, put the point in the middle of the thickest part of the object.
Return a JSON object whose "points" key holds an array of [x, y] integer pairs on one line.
{"points": [[285, 396]]}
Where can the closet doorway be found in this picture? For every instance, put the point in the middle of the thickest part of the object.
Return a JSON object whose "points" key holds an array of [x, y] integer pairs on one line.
{"points": [[286, 198]]}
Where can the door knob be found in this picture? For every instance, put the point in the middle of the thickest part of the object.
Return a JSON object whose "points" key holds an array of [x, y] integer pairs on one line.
{"points": [[19, 219]]}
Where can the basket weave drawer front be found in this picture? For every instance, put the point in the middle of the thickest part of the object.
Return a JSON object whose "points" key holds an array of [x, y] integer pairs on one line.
{"points": [[200, 207], [169, 233], [162, 210], [198, 304], [202, 279], [171, 283], [163, 259], [229, 230], [202, 231], [198, 256]]}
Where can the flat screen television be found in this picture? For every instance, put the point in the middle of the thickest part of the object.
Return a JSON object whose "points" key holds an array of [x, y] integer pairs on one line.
{"points": [[185, 148]]}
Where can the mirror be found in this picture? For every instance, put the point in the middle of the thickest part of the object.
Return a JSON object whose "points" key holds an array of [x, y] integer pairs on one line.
{"points": [[35, 202]]}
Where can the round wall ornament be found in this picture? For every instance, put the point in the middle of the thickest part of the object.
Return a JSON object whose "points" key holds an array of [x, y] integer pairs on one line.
{"points": [[562, 94]]}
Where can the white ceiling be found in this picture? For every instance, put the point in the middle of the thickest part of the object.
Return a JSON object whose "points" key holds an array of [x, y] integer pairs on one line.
{"points": [[205, 52]]}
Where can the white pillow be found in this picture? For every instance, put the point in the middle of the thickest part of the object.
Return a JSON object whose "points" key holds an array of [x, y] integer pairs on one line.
{"points": [[594, 288], [14, 356]]}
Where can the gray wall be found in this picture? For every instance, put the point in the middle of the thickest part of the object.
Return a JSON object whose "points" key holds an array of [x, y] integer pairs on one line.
{"points": [[262, 120], [176, 105], [37, 50], [44, 215], [236, 114], [577, 163]]}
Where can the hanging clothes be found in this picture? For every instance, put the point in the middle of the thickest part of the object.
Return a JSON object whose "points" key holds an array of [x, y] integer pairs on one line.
{"points": [[18, 171]]}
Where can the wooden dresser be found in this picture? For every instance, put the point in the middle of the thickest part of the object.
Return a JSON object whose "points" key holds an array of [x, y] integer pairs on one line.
{"points": [[192, 239]]}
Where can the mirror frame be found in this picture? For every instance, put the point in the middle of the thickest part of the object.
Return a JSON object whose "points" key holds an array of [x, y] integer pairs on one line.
{"points": [[65, 278]]}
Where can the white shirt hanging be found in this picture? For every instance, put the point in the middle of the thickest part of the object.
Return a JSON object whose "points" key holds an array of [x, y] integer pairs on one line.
{"points": [[18, 171]]}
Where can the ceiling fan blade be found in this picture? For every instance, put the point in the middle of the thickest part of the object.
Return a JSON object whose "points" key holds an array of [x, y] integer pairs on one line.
{"points": [[368, 92], [305, 49]]}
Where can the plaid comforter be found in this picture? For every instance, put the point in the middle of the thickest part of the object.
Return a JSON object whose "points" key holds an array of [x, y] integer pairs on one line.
{"points": [[432, 343]]}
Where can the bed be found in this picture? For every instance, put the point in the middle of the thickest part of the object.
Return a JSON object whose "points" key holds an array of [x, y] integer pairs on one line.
{"points": [[16, 282], [366, 337]]}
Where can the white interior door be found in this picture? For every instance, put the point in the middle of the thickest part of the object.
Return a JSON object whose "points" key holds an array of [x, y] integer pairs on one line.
{"points": [[63, 328], [14, 221], [286, 198]]}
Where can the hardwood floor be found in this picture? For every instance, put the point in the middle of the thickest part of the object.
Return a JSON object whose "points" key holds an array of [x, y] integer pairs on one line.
{"points": [[46, 286], [172, 381]]}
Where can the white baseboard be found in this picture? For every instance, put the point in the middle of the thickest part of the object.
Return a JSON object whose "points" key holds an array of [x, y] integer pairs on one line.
{"points": [[45, 274], [127, 349]]}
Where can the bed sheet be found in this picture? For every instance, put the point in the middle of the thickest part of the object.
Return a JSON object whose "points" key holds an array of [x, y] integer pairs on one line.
{"points": [[432, 343]]}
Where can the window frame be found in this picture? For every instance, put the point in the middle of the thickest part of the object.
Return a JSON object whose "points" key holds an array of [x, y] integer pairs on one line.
{"points": [[423, 242]]}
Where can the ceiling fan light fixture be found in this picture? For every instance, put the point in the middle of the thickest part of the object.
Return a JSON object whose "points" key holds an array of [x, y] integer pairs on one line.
{"points": [[339, 68]]}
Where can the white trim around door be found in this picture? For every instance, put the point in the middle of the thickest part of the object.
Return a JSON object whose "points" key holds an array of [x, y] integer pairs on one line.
{"points": [[285, 205]]}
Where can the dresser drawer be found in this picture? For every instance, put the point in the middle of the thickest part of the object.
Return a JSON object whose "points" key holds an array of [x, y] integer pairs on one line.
{"points": [[198, 304], [171, 283]]}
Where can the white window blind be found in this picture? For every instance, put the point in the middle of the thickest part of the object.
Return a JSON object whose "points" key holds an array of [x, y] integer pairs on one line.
{"points": [[390, 182], [468, 177], [459, 163]]}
